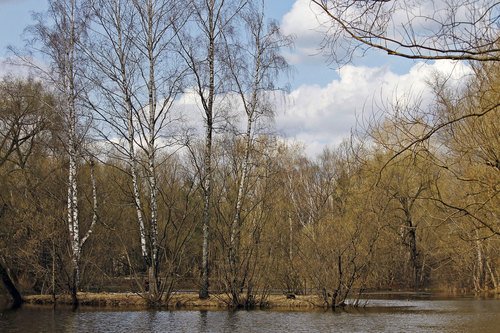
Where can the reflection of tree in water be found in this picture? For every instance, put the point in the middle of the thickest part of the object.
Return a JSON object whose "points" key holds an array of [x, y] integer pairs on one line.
{"points": [[203, 321], [232, 320]]}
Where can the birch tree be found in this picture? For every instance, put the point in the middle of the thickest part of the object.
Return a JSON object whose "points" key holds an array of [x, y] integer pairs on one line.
{"points": [[254, 65], [56, 38], [115, 62], [200, 46], [138, 77]]}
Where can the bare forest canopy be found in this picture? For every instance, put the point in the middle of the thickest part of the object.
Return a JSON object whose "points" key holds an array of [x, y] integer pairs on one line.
{"points": [[103, 188]]}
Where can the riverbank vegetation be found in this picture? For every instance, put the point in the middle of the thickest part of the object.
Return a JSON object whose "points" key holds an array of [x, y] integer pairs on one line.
{"points": [[178, 300], [104, 188]]}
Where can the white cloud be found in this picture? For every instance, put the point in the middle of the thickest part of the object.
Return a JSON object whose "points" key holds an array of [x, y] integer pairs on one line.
{"points": [[321, 116], [303, 22]]}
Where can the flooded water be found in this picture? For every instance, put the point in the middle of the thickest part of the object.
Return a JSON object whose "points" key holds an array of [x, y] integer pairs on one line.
{"points": [[456, 315]]}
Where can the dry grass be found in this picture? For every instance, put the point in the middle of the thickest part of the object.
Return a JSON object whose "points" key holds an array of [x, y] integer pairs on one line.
{"points": [[178, 300]]}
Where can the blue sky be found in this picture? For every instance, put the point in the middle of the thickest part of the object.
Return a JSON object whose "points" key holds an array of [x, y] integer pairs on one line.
{"points": [[325, 102], [15, 15]]}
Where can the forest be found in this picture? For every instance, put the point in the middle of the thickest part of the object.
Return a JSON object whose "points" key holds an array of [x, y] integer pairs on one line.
{"points": [[106, 184]]}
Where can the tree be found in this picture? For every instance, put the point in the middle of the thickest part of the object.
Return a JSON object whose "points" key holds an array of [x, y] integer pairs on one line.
{"points": [[24, 111], [56, 37], [337, 233], [200, 48], [471, 167], [456, 30], [253, 66], [429, 30], [137, 80], [455, 170]]}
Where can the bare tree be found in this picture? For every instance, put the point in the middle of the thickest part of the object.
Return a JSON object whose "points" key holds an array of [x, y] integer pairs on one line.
{"points": [[111, 54], [56, 37], [253, 65], [431, 29], [138, 79], [200, 47]]}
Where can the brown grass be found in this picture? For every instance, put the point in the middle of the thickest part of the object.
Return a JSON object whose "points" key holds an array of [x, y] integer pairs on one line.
{"points": [[178, 300]]}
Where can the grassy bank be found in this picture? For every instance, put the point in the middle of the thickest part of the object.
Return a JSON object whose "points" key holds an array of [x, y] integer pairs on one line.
{"points": [[177, 301], [190, 300]]}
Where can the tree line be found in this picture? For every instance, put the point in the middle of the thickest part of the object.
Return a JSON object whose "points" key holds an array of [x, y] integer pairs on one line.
{"points": [[105, 187]]}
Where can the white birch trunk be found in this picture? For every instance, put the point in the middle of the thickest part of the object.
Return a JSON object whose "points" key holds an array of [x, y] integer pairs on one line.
{"points": [[151, 152], [236, 225], [479, 274], [137, 196], [124, 85], [94, 204], [207, 185], [73, 218], [207, 161]]}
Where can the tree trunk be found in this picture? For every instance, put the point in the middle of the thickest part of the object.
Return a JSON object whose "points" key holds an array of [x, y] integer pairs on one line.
{"points": [[414, 258], [234, 246], [73, 152], [411, 233], [206, 214], [151, 153], [14, 293], [480, 271], [207, 160], [74, 286]]}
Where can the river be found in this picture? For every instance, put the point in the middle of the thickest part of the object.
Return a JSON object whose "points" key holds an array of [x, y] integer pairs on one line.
{"points": [[450, 315]]}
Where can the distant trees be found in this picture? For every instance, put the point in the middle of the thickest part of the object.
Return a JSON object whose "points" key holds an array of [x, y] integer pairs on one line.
{"points": [[432, 30]]}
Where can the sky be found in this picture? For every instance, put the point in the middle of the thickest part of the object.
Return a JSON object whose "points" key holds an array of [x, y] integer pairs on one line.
{"points": [[324, 102]]}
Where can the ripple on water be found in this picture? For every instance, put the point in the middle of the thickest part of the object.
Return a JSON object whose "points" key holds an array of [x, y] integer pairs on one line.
{"points": [[460, 315]]}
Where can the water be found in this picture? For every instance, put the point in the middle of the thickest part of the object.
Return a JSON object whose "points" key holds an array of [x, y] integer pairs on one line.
{"points": [[456, 315]]}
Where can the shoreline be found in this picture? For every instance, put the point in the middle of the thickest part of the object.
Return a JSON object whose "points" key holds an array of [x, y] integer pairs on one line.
{"points": [[191, 301], [179, 301]]}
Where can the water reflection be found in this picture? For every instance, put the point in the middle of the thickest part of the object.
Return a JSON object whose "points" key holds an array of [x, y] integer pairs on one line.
{"points": [[203, 326], [458, 315]]}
